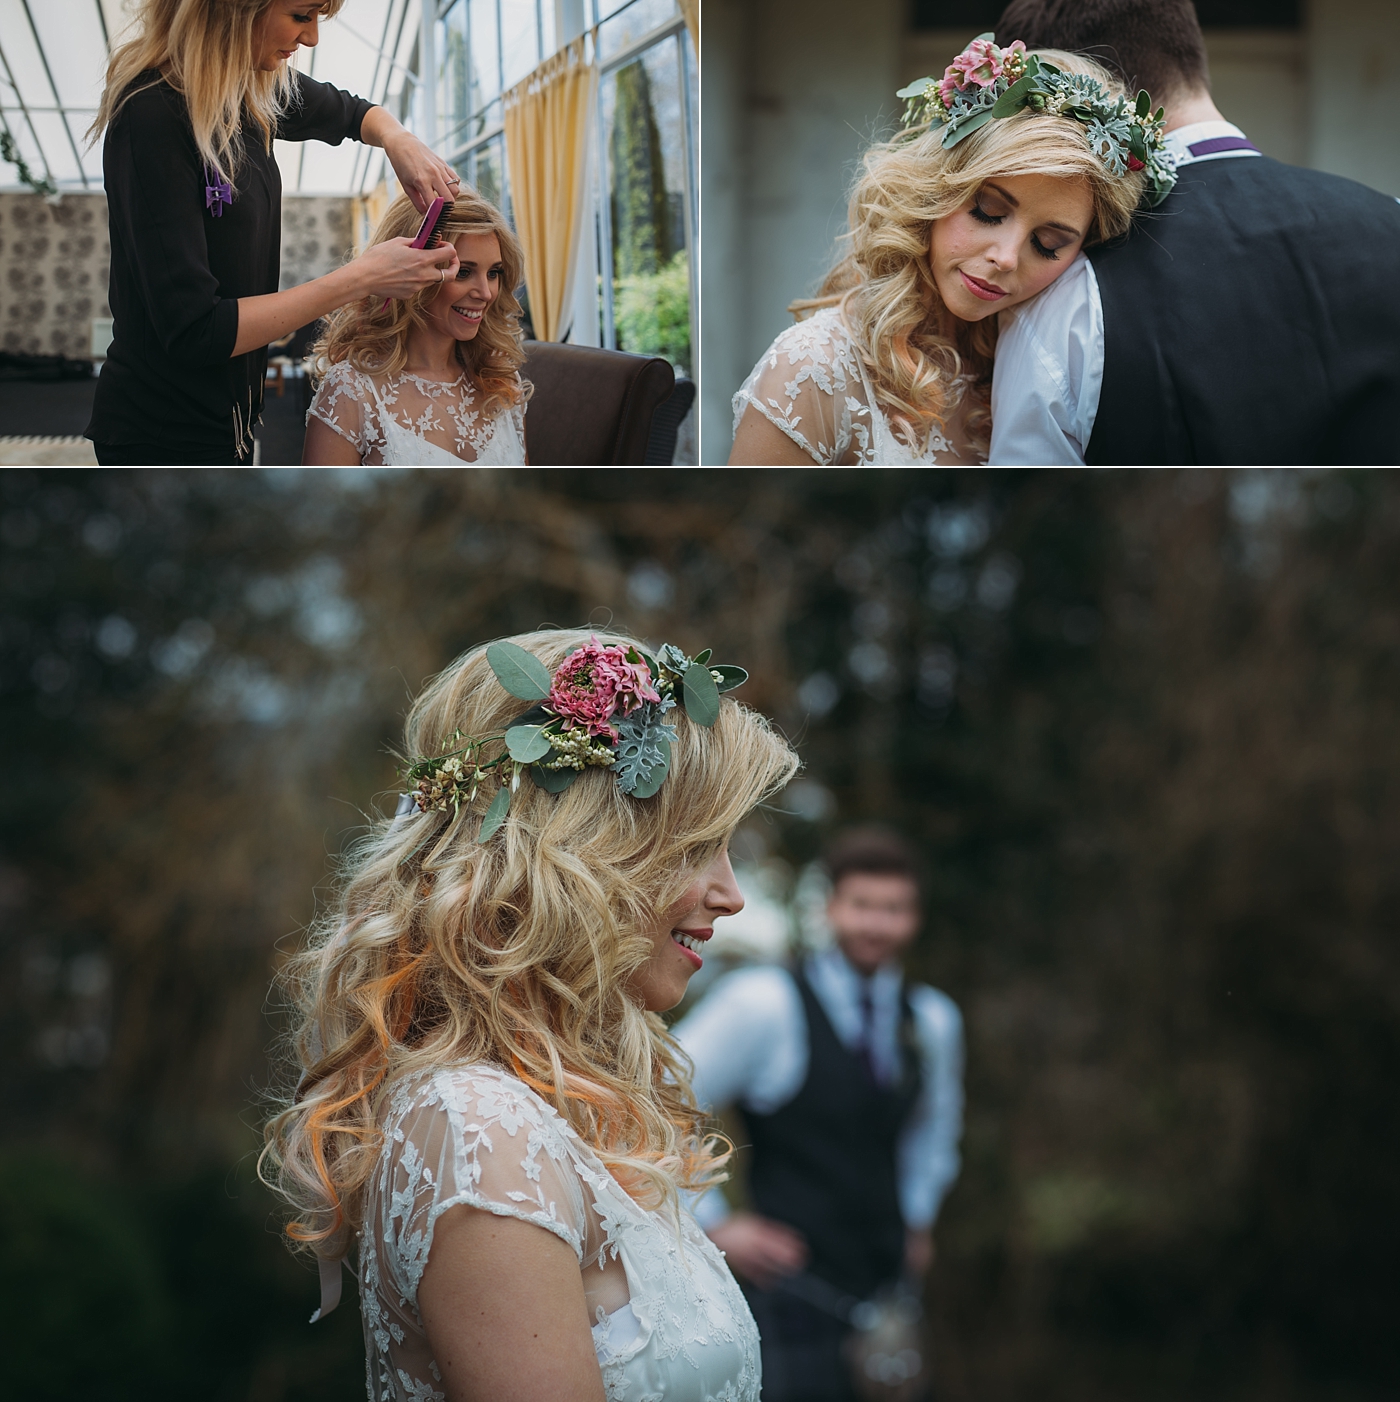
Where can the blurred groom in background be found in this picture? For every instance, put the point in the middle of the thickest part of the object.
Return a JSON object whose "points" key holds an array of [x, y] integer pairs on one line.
{"points": [[849, 1080]]}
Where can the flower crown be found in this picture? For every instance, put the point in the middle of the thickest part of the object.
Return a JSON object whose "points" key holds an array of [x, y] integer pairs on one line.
{"points": [[604, 707], [985, 83]]}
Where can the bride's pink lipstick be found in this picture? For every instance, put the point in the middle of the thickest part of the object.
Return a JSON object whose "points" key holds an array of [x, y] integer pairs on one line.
{"points": [[700, 935], [987, 291]]}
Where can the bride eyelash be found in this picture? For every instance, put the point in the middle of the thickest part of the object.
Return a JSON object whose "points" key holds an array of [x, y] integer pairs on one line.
{"points": [[982, 217]]}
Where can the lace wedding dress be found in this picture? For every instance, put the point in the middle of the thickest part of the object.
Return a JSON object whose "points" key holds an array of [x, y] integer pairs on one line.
{"points": [[476, 1135], [812, 384], [407, 421]]}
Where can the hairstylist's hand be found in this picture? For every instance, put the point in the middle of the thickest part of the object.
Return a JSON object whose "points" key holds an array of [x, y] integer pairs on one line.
{"points": [[423, 175], [397, 269]]}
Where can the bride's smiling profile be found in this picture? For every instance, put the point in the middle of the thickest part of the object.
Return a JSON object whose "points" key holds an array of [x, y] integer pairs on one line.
{"points": [[491, 1118], [1007, 168]]}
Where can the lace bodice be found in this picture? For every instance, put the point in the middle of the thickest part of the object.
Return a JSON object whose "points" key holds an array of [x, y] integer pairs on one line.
{"points": [[407, 421], [475, 1135], [812, 385]]}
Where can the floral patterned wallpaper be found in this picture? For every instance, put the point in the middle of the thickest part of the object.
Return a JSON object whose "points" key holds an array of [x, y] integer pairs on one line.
{"points": [[54, 261], [53, 272]]}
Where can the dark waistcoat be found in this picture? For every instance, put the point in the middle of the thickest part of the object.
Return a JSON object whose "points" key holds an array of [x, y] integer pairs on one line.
{"points": [[825, 1163], [1253, 318]]}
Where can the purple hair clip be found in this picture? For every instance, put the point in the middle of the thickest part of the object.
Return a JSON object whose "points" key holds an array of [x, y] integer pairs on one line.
{"points": [[217, 193]]}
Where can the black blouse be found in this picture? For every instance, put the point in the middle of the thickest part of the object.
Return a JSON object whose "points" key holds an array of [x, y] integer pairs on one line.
{"points": [[178, 271]]}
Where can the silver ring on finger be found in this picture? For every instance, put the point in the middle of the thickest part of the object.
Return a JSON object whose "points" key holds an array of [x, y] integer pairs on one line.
{"points": [[442, 275]]}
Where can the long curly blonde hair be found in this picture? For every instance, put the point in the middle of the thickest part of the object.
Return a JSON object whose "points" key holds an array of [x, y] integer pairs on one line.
{"points": [[374, 338], [916, 351], [205, 49], [439, 951]]}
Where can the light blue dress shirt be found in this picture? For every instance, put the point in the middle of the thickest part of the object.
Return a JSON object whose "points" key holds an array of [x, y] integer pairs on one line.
{"points": [[748, 1040]]}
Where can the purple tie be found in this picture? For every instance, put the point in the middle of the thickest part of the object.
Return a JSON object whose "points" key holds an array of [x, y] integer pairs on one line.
{"points": [[867, 1029]]}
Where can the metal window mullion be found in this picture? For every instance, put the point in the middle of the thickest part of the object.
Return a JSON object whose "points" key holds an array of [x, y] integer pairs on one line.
{"points": [[102, 20], [638, 47], [691, 217], [500, 58], [358, 180], [57, 97], [605, 252]]}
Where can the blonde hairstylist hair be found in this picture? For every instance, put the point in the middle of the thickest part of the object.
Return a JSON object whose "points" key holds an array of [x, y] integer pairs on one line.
{"points": [[205, 49], [440, 951], [914, 349], [374, 338]]}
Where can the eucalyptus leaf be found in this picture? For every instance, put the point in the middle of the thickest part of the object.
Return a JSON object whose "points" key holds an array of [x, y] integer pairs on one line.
{"points": [[700, 695], [527, 743], [974, 123], [732, 677], [553, 780], [918, 88], [703, 657], [520, 672], [1144, 102], [495, 815], [1013, 99]]}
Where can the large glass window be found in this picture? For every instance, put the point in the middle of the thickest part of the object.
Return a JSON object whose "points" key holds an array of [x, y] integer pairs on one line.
{"points": [[644, 120], [644, 201]]}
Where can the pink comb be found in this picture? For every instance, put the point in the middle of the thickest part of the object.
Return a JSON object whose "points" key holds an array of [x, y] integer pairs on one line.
{"points": [[429, 232]]}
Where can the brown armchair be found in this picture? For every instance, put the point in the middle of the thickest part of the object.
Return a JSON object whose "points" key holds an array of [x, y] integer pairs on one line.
{"points": [[596, 408]]}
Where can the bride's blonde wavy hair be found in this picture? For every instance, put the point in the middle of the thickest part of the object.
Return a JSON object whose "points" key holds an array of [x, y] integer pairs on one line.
{"points": [[439, 951], [374, 338], [205, 48], [915, 349]]}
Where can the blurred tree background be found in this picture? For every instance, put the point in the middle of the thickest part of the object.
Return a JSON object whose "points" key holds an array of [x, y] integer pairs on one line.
{"points": [[1142, 724]]}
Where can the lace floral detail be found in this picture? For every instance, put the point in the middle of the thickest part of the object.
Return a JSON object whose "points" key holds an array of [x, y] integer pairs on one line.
{"points": [[812, 385], [405, 420], [478, 1136]]}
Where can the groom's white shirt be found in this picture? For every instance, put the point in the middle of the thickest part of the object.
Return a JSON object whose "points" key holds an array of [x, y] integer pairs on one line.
{"points": [[1049, 364]]}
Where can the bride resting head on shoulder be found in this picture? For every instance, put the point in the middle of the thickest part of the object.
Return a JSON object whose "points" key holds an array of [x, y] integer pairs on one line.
{"points": [[491, 1116], [1006, 169], [434, 379]]}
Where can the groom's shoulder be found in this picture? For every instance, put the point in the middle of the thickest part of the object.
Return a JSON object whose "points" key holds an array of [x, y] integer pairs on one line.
{"points": [[1261, 195]]}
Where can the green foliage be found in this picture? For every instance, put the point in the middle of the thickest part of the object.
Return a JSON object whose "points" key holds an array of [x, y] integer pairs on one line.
{"points": [[10, 151], [651, 312], [642, 243]]}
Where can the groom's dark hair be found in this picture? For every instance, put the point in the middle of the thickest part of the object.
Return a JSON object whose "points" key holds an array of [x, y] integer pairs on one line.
{"points": [[1152, 44]]}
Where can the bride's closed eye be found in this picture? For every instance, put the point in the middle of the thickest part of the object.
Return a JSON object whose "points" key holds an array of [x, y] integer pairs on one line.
{"points": [[983, 216]]}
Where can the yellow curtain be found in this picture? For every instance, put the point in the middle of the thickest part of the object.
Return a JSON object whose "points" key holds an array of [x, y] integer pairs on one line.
{"points": [[691, 10], [547, 119]]}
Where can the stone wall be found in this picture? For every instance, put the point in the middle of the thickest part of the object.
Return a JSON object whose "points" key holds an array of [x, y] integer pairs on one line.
{"points": [[318, 235]]}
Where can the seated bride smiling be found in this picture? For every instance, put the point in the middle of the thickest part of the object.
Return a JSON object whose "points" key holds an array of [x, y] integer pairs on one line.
{"points": [[1007, 168], [433, 380]]}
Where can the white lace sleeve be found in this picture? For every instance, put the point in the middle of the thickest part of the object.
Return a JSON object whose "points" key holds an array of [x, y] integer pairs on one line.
{"points": [[473, 1136], [808, 384], [344, 402]]}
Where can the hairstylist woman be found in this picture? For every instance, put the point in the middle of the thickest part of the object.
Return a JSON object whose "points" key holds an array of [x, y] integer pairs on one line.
{"points": [[190, 110]]}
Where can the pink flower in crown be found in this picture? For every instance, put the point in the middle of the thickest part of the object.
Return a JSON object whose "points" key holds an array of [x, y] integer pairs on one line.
{"points": [[594, 683], [949, 88], [980, 64]]}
